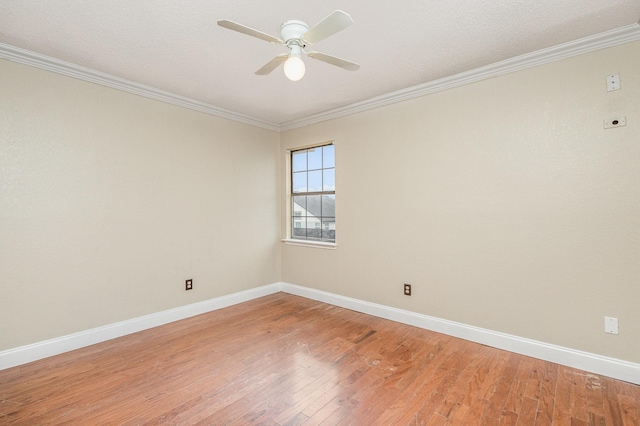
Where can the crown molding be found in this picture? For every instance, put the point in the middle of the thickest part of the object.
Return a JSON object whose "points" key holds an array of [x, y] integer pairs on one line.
{"points": [[604, 40], [37, 60], [627, 34]]}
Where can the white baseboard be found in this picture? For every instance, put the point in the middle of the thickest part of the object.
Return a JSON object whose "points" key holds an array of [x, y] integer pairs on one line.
{"points": [[47, 348], [610, 367]]}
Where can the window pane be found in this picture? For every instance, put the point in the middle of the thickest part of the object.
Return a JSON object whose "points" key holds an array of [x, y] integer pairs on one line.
{"points": [[300, 182], [315, 181], [314, 158], [328, 156], [299, 206], [299, 225], [329, 229], [329, 180], [313, 205], [329, 205], [314, 228], [299, 161]]}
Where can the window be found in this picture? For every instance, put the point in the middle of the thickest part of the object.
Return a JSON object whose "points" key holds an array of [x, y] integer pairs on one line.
{"points": [[313, 194]]}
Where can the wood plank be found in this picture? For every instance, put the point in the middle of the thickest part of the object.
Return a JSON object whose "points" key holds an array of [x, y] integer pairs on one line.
{"points": [[564, 385], [534, 381], [594, 396], [612, 411], [528, 412], [577, 422], [628, 410], [496, 403], [595, 419], [508, 418], [578, 395], [546, 403], [475, 413], [458, 415], [322, 414]]}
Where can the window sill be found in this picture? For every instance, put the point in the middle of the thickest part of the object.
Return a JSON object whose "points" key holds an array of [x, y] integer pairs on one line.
{"points": [[308, 243]]}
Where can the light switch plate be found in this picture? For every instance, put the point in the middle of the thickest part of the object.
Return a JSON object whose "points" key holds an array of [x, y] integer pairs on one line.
{"points": [[611, 325]]}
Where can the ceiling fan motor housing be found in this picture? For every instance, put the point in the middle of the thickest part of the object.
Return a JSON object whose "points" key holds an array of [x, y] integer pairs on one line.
{"points": [[291, 31]]}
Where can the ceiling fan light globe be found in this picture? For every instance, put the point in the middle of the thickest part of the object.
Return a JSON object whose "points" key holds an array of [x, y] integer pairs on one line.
{"points": [[294, 68]]}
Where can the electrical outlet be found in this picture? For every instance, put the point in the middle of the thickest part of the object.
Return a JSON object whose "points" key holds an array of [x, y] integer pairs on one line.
{"points": [[188, 284], [615, 122], [407, 289]]}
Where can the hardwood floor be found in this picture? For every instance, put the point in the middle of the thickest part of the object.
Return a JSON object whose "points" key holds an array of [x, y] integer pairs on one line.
{"points": [[286, 360]]}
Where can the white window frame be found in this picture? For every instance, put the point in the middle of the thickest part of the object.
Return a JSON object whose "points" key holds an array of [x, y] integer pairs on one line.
{"points": [[288, 204]]}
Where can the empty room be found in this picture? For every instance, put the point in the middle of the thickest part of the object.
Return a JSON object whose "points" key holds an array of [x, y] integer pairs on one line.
{"points": [[337, 213]]}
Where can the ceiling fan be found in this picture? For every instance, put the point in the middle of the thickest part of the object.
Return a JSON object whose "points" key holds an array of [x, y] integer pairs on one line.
{"points": [[297, 35]]}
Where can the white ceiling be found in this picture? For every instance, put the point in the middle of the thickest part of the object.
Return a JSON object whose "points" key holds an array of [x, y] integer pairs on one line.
{"points": [[177, 47]]}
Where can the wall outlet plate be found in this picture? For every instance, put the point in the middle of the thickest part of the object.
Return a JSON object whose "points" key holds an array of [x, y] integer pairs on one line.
{"points": [[188, 284], [611, 325], [407, 289], [615, 122], [613, 82]]}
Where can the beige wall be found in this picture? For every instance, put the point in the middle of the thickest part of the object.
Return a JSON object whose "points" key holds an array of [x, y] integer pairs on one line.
{"points": [[109, 201], [505, 203]]}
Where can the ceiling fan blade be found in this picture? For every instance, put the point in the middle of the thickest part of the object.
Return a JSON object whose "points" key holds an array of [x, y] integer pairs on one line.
{"points": [[249, 31], [336, 21], [272, 64], [342, 63]]}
